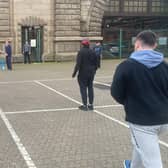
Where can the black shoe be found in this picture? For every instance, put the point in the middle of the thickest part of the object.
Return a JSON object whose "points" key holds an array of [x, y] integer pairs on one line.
{"points": [[90, 107], [83, 107]]}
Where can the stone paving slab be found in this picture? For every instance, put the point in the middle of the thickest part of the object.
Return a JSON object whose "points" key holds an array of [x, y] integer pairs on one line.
{"points": [[62, 139], [119, 114], [71, 89], [74, 139], [10, 156], [30, 96]]}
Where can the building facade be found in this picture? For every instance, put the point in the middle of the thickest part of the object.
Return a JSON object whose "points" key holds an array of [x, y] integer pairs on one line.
{"points": [[55, 27]]}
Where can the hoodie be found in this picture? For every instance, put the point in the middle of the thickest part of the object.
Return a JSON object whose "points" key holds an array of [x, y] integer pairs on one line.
{"points": [[149, 58], [141, 84]]}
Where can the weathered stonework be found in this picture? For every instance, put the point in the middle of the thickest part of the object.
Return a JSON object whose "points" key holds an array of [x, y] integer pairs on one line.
{"points": [[5, 30], [40, 9], [66, 23], [75, 20]]}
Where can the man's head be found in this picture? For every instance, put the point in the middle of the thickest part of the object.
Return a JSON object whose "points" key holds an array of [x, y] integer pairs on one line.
{"points": [[146, 40], [8, 41], [85, 42], [97, 43]]}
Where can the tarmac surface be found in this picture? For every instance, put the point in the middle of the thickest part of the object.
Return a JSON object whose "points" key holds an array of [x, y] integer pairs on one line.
{"points": [[41, 126]]}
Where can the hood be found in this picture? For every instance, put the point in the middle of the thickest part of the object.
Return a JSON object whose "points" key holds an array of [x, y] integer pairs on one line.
{"points": [[149, 58]]}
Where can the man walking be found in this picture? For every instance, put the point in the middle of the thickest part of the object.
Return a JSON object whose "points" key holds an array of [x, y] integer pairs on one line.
{"points": [[86, 64], [27, 52], [141, 85]]}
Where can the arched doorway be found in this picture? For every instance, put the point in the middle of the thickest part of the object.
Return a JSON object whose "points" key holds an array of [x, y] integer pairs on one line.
{"points": [[32, 31]]}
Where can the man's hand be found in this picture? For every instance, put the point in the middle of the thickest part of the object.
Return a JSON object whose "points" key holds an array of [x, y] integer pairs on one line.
{"points": [[73, 75]]}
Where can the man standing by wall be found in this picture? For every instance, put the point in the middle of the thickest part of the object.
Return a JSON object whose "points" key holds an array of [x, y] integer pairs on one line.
{"points": [[8, 51], [98, 50], [27, 52], [141, 85], [86, 64]]}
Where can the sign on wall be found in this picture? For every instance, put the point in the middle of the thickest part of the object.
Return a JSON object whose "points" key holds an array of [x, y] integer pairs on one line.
{"points": [[33, 42], [162, 40]]}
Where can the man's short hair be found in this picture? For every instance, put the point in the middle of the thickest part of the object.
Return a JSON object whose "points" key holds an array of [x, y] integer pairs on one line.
{"points": [[147, 37]]}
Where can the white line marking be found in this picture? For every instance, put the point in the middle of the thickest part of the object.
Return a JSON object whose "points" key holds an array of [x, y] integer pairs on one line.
{"points": [[101, 83], [98, 112], [16, 82], [107, 106], [17, 141], [58, 92], [111, 118], [54, 110], [48, 80], [163, 143], [40, 111]]}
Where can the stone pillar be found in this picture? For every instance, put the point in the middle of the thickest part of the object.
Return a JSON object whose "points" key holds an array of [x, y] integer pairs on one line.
{"points": [[67, 29], [5, 31], [96, 16]]}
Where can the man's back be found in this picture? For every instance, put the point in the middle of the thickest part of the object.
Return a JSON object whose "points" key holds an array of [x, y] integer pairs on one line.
{"points": [[88, 60], [146, 92]]}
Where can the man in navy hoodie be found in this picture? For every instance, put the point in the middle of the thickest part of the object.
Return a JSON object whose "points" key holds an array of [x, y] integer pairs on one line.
{"points": [[141, 84]]}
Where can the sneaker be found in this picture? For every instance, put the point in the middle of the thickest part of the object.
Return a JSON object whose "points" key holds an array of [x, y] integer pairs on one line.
{"points": [[90, 107], [127, 164], [83, 107]]}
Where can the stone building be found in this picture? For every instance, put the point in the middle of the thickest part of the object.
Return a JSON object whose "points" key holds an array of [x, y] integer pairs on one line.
{"points": [[55, 27]]}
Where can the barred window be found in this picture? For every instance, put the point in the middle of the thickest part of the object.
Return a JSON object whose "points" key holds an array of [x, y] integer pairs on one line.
{"points": [[114, 5], [159, 6], [137, 6]]}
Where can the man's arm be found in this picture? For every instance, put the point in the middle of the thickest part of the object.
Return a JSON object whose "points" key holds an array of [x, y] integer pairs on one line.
{"points": [[118, 87], [78, 64]]}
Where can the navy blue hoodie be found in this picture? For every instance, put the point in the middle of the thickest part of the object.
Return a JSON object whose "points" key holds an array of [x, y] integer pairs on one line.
{"points": [[141, 84]]}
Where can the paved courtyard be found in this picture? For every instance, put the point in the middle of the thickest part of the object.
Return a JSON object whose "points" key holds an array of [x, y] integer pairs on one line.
{"points": [[41, 126]]}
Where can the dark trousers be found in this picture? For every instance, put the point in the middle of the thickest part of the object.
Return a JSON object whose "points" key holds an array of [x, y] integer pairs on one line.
{"points": [[86, 88], [27, 57], [99, 61], [9, 62]]}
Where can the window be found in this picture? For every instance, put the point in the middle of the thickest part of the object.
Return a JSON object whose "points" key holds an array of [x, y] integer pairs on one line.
{"points": [[160, 6], [136, 6], [114, 5]]}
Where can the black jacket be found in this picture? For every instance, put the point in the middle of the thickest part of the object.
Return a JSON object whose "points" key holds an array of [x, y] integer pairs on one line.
{"points": [[142, 91], [86, 62]]}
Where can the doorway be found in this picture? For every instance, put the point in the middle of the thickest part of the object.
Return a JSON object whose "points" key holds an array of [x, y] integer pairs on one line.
{"points": [[34, 36]]}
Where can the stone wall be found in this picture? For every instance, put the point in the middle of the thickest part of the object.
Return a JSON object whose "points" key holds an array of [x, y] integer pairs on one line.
{"points": [[96, 16], [75, 20], [41, 9], [5, 31], [67, 23], [67, 28]]}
